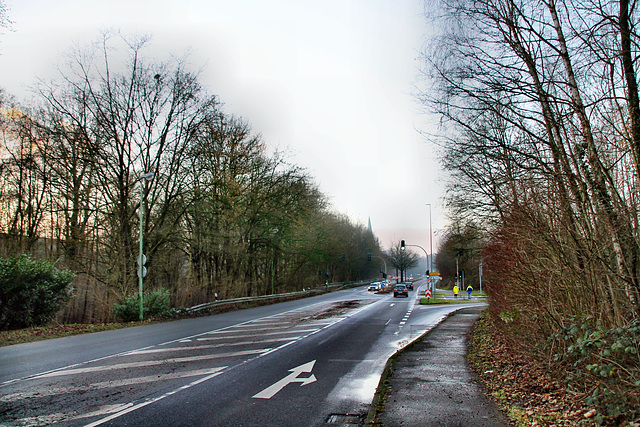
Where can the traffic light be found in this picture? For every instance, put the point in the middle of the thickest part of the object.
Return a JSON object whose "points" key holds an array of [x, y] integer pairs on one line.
{"points": [[368, 257], [427, 272], [402, 245]]}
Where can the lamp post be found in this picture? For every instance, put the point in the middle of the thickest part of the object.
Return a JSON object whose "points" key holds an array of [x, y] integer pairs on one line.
{"points": [[273, 231], [430, 249], [142, 259]]}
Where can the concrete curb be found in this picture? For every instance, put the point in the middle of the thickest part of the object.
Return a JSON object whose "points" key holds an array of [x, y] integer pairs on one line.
{"points": [[430, 383], [381, 390]]}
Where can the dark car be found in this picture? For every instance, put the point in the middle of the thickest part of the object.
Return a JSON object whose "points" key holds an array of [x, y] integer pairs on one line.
{"points": [[400, 290], [409, 286]]}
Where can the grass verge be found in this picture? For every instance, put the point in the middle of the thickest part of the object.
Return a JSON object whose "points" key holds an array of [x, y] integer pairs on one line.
{"points": [[426, 301], [39, 333]]}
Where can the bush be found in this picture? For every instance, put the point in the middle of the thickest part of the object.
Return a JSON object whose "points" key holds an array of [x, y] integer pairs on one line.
{"points": [[31, 291], [155, 303], [608, 361]]}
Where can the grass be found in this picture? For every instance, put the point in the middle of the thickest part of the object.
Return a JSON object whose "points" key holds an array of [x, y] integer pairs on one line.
{"points": [[438, 301], [39, 333]]}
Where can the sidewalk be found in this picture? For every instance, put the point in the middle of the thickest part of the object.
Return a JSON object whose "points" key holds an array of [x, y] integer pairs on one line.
{"points": [[431, 383]]}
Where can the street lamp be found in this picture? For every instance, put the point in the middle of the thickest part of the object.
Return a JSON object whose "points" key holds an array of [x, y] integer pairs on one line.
{"points": [[430, 248], [273, 231], [142, 271]]}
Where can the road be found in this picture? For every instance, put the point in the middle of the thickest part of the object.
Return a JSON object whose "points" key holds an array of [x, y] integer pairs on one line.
{"points": [[309, 362]]}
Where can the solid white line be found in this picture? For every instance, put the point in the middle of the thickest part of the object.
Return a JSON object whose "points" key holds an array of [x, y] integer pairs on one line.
{"points": [[204, 347], [150, 401], [246, 328], [108, 384], [135, 407], [183, 339], [130, 407], [267, 321], [150, 363], [292, 331]]}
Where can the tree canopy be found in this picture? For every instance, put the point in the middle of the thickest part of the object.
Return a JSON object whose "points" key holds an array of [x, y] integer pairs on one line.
{"points": [[221, 215]]}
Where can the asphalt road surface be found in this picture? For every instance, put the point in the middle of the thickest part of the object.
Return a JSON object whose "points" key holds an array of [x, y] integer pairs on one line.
{"points": [[308, 362]]}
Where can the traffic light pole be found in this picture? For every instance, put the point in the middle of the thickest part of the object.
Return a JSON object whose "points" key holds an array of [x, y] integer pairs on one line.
{"points": [[403, 246], [385, 264]]}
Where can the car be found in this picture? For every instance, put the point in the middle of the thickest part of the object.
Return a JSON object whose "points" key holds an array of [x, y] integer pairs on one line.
{"points": [[409, 286], [400, 290], [374, 287]]}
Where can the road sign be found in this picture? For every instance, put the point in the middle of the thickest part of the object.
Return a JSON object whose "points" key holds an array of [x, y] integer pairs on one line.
{"points": [[142, 259], [270, 391], [142, 270], [428, 293], [434, 274]]}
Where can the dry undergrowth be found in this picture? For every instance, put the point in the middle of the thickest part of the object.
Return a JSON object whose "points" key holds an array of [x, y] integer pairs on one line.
{"points": [[525, 390]]}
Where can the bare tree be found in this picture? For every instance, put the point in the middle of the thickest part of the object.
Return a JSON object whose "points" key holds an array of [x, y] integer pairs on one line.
{"points": [[133, 119], [401, 259]]}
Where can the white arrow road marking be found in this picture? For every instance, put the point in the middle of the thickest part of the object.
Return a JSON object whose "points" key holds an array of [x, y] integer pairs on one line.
{"points": [[270, 391]]}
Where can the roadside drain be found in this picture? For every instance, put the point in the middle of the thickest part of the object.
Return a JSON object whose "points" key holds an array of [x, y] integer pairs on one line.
{"points": [[345, 420]]}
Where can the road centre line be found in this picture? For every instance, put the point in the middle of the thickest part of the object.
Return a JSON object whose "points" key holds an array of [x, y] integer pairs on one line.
{"points": [[151, 363], [108, 384]]}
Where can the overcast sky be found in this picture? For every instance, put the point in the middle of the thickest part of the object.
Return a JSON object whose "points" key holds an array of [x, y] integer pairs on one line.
{"points": [[328, 81]]}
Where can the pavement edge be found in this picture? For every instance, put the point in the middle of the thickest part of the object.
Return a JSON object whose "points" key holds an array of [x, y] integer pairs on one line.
{"points": [[377, 404]]}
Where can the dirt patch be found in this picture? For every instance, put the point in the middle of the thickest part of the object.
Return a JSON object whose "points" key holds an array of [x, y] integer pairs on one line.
{"points": [[337, 309]]}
